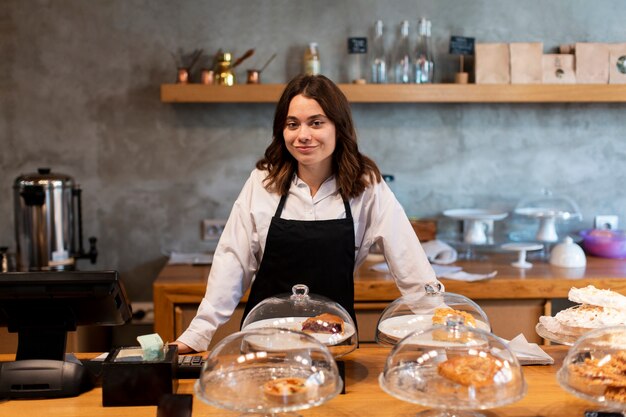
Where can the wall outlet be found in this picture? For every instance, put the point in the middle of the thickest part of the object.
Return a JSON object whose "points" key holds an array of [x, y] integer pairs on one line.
{"points": [[606, 221], [211, 229]]}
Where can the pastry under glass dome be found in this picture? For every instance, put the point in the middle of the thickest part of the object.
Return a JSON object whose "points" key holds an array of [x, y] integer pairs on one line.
{"points": [[290, 311], [595, 368], [470, 370], [416, 311], [248, 371]]}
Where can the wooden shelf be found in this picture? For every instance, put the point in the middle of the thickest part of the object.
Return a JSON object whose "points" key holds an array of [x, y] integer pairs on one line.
{"points": [[412, 93]]}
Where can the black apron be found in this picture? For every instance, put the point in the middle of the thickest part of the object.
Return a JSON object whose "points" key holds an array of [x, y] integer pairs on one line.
{"points": [[317, 253]]}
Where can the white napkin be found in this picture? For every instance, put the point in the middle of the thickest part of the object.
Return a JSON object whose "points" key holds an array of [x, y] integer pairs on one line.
{"points": [[465, 276], [439, 252], [529, 353], [442, 271]]}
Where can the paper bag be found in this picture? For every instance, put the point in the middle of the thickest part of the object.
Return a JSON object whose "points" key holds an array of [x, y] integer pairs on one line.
{"points": [[492, 63], [526, 62], [592, 63], [617, 63], [558, 69]]}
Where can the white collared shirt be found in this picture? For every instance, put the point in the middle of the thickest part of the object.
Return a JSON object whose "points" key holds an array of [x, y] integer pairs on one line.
{"points": [[378, 218]]}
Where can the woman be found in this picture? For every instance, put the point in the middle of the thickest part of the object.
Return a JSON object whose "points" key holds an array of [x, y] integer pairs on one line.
{"points": [[308, 214]]}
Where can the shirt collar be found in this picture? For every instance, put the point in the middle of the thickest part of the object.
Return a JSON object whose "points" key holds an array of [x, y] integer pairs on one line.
{"points": [[328, 187]]}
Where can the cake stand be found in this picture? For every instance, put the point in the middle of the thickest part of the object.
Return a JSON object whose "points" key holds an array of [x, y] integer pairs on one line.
{"points": [[476, 222], [477, 226], [522, 248]]}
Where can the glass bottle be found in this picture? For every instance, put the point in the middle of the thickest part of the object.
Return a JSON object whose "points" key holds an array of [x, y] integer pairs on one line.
{"points": [[224, 74], [424, 61], [357, 60], [403, 68], [378, 62], [312, 64]]}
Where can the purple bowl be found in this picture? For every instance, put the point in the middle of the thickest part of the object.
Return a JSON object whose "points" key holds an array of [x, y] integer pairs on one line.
{"points": [[604, 243]]}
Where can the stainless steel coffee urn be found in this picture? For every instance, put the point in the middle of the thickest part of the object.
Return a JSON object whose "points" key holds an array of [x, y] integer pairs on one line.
{"points": [[48, 222]]}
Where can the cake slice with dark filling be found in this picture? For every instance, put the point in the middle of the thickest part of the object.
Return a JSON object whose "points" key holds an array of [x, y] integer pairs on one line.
{"points": [[324, 323]]}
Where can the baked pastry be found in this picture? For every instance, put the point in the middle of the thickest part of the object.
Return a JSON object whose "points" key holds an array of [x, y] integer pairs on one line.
{"points": [[582, 318], [470, 370], [441, 314], [324, 323], [443, 334], [597, 297], [600, 376], [617, 394], [285, 390], [599, 308]]}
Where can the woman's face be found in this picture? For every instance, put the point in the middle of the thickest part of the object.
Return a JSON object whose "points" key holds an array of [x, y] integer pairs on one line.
{"points": [[309, 135]]}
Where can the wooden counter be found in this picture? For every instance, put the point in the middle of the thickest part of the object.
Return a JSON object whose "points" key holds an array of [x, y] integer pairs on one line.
{"points": [[514, 294], [363, 396]]}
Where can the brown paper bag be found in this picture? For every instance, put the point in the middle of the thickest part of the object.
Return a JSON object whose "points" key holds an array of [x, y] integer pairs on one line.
{"points": [[492, 63], [558, 69], [526, 62], [617, 63], [592, 63]]}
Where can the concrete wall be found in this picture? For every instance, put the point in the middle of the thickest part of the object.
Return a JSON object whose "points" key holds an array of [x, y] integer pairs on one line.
{"points": [[79, 84]]}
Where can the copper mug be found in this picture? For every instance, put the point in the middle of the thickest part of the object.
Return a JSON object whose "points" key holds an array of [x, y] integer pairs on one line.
{"points": [[207, 76], [254, 77]]}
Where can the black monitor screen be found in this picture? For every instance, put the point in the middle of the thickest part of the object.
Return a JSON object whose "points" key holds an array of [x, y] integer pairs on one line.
{"points": [[43, 306]]}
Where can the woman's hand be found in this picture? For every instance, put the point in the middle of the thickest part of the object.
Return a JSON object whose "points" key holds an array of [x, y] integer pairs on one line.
{"points": [[182, 348]]}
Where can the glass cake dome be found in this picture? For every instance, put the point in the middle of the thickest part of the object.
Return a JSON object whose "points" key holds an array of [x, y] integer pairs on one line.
{"points": [[322, 318], [268, 371], [420, 310], [454, 369], [548, 209], [595, 368]]}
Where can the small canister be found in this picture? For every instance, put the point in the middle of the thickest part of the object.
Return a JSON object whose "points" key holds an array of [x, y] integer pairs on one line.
{"points": [[207, 76], [254, 77]]}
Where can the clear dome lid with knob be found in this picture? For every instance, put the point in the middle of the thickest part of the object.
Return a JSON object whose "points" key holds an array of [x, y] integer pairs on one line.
{"points": [[268, 371], [420, 310], [595, 368], [321, 317], [470, 369]]}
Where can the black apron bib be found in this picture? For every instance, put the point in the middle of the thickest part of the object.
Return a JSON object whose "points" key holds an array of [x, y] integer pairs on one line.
{"points": [[319, 254]]}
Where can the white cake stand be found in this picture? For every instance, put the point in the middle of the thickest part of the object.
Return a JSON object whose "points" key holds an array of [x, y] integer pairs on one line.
{"points": [[476, 221], [522, 248]]}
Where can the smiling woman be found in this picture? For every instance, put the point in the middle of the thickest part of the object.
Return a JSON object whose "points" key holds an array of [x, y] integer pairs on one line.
{"points": [[308, 214], [310, 139]]}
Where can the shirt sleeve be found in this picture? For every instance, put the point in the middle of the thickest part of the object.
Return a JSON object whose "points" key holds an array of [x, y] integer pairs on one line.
{"points": [[233, 267], [390, 228]]}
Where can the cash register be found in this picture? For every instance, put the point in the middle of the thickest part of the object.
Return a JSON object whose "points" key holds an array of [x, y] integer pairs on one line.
{"points": [[41, 307]]}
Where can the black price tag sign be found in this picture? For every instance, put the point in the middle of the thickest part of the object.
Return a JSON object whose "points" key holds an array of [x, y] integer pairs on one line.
{"points": [[357, 45], [461, 45]]}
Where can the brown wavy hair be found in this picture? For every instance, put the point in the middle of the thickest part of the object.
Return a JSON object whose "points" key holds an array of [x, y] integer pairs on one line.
{"points": [[353, 170]]}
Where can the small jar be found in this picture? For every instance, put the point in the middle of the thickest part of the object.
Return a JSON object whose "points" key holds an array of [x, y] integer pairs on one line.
{"points": [[207, 76], [224, 73]]}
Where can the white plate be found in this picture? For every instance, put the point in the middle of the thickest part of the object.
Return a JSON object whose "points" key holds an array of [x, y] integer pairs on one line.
{"points": [[295, 323], [475, 214], [520, 246], [563, 339], [400, 326], [542, 213]]}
